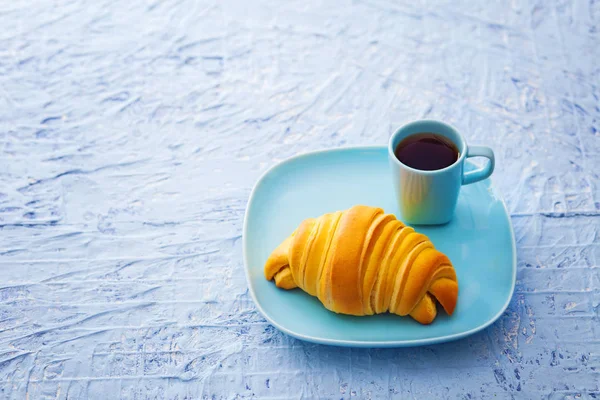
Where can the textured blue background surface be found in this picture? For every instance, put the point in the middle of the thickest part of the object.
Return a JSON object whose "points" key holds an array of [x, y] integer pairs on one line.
{"points": [[132, 133]]}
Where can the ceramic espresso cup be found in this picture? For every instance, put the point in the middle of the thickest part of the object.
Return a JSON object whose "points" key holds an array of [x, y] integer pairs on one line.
{"points": [[430, 197]]}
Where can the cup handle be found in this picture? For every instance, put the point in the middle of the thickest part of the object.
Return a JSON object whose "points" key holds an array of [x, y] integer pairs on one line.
{"points": [[486, 170]]}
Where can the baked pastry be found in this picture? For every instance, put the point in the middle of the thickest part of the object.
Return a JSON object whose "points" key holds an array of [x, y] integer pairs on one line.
{"points": [[362, 261]]}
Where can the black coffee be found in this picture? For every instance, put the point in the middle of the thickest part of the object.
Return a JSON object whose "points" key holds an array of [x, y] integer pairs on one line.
{"points": [[426, 151]]}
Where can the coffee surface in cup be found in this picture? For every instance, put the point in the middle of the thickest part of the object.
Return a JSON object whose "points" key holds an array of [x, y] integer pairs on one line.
{"points": [[426, 151]]}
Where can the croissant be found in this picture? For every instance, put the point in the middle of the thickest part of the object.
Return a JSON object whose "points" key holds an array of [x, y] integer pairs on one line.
{"points": [[362, 261]]}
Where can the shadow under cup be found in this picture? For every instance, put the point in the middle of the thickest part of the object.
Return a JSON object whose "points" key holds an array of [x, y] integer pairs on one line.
{"points": [[427, 197]]}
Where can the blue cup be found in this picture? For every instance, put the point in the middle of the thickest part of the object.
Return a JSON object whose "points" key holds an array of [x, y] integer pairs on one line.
{"points": [[430, 197]]}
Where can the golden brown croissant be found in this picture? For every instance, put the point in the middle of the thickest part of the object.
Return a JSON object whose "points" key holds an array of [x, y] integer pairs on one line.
{"points": [[362, 261]]}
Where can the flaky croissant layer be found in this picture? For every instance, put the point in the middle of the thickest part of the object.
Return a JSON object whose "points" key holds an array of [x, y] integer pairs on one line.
{"points": [[362, 261]]}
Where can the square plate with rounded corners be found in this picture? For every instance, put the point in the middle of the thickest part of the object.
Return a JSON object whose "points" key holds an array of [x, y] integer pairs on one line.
{"points": [[479, 241]]}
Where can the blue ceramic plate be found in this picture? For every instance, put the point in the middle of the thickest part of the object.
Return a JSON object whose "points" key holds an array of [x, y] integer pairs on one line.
{"points": [[479, 241]]}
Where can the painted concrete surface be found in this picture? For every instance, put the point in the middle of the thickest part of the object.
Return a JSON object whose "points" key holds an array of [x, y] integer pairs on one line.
{"points": [[132, 134]]}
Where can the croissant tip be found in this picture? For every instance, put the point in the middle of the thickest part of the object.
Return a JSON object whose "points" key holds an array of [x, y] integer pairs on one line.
{"points": [[450, 311], [450, 308]]}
